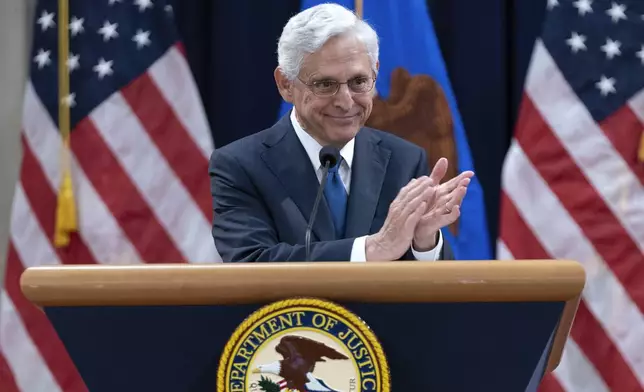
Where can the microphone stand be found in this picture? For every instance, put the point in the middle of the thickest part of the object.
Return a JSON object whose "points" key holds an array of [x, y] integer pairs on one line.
{"points": [[307, 239]]}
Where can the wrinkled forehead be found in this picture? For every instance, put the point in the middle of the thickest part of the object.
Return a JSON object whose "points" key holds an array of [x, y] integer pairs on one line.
{"points": [[341, 58]]}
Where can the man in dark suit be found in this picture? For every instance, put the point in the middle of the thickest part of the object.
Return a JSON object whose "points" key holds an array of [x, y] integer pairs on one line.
{"points": [[380, 201]]}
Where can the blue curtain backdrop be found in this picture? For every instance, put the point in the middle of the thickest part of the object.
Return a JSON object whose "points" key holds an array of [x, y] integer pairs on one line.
{"points": [[486, 46]]}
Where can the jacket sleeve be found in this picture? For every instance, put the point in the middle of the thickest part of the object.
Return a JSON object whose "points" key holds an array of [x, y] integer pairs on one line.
{"points": [[243, 229]]}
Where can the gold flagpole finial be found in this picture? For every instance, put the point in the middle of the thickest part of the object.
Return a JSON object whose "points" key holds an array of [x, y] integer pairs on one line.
{"points": [[640, 151], [66, 221], [359, 10]]}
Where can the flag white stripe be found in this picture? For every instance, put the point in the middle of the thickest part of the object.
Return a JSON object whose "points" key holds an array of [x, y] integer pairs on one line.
{"points": [[502, 251], [586, 143], [576, 373], [29, 370], [173, 77], [42, 136], [97, 226], [562, 238], [163, 192], [30, 242]]}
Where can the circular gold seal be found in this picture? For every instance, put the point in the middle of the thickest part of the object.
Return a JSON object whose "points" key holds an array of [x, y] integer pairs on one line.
{"points": [[304, 345]]}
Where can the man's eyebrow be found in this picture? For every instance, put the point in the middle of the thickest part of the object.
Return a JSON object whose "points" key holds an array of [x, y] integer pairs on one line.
{"points": [[319, 78]]}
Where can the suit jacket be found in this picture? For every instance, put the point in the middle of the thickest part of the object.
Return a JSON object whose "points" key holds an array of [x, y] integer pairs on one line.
{"points": [[263, 188]]}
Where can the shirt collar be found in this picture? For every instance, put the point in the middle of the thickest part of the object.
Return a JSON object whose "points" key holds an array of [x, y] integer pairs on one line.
{"points": [[313, 148]]}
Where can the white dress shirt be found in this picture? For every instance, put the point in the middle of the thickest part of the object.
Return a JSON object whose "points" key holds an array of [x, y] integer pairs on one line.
{"points": [[312, 147]]}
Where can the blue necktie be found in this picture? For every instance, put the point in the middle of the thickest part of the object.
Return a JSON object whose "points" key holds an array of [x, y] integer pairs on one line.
{"points": [[336, 197]]}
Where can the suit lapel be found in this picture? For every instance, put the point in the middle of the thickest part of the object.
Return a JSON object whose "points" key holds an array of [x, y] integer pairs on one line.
{"points": [[288, 160], [367, 175]]}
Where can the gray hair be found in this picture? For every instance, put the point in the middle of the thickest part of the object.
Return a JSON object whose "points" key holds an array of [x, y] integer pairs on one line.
{"points": [[310, 29]]}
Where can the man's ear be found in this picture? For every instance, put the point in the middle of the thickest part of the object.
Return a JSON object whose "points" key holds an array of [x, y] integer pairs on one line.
{"points": [[284, 86]]}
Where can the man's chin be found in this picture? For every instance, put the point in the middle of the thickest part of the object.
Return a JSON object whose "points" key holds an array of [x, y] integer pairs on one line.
{"points": [[340, 138]]}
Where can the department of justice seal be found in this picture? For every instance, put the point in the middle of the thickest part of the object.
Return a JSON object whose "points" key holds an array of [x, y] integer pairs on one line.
{"points": [[304, 345]]}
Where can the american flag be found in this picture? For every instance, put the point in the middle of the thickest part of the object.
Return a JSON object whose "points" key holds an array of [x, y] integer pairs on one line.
{"points": [[573, 183], [139, 147]]}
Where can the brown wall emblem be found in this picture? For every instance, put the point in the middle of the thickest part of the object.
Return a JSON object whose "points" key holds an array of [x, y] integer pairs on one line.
{"points": [[417, 110]]}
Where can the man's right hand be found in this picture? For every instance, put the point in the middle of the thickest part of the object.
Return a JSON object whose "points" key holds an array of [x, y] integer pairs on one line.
{"points": [[396, 234]]}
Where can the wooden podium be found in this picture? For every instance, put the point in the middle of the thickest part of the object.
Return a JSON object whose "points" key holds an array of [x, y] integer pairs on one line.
{"points": [[442, 326]]}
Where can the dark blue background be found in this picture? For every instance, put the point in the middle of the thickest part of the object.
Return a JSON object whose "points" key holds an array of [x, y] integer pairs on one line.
{"points": [[486, 45]]}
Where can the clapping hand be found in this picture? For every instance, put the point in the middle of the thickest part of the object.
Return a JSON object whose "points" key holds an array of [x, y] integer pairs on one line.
{"points": [[419, 210], [443, 205], [397, 232]]}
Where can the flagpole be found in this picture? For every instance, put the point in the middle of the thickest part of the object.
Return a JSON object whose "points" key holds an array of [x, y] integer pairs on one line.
{"points": [[358, 6], [65, 208]]}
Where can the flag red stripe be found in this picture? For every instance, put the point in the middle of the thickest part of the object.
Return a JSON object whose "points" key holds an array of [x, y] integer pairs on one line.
{"points": [[582, 201], [586, 331], [166, 131], [7, 381], [517, 236], [40, 329], [624, 129], [182, 48], [43, 204], [121, 197], [550, 384], [601, 351]]}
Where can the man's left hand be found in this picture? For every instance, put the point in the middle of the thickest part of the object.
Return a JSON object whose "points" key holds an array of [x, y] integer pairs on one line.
{"points": [[443, 205]]}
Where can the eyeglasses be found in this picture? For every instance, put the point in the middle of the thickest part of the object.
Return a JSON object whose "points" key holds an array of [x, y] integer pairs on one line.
{"points": [[329, 87]]}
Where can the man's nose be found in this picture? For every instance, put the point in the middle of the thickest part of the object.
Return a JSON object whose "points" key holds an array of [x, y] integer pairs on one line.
{"points": [[343, 98]]}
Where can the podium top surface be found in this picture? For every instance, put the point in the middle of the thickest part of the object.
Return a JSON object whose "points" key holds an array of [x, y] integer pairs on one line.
{"points": [[210, 284]]}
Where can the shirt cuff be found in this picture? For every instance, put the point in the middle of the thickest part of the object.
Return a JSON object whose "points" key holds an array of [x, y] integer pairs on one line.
{"points": [[359, 250], [432, 254]]}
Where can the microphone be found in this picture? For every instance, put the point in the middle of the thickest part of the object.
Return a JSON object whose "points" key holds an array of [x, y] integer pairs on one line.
{"points": [[329, 157]]}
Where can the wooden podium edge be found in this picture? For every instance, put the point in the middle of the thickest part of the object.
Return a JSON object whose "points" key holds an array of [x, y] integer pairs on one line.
{"points": [[561, 335], [210, 284]]}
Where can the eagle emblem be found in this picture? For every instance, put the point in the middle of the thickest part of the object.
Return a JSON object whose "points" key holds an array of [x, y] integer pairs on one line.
{"points": [[300, 354], [303, 345]]}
